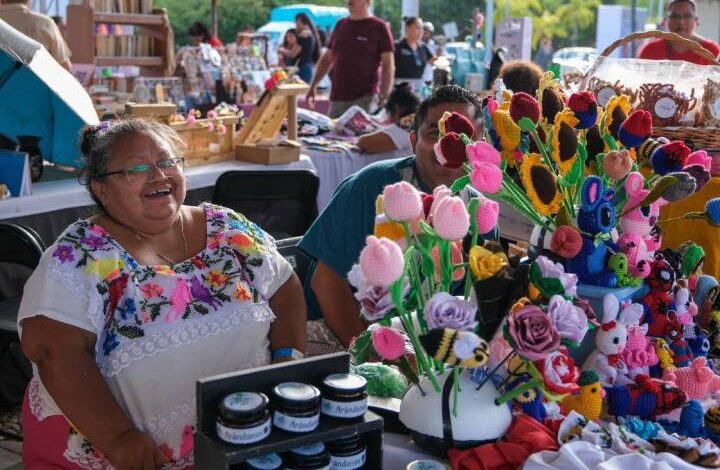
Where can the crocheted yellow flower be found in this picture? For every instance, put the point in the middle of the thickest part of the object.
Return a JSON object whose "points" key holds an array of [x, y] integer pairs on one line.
{"points": [[485, 264], [564, 140], [616, 112], [550, 97], [105, 268], [540, 185], [507, 130]]}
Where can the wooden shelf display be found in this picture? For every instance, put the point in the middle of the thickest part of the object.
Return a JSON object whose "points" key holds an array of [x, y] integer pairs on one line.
{"points": [[121, 33]]}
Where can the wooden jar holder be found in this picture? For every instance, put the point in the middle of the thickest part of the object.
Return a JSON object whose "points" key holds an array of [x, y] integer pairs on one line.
{"points": [[213, 453]]}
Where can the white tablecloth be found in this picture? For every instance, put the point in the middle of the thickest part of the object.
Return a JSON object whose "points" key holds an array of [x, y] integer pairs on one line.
{"points": [[68, 193]]}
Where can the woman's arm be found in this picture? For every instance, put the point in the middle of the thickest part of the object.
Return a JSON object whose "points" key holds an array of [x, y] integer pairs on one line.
{"points": [[292, 52], [337, 303], [376, 142], [288, 304], [65, 359]]}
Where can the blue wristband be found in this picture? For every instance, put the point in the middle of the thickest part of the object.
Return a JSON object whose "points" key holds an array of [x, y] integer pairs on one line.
{"points": [[281, 353]]}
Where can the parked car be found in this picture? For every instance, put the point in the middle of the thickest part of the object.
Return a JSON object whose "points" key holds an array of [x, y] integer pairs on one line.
{"points": [[574, 59]]}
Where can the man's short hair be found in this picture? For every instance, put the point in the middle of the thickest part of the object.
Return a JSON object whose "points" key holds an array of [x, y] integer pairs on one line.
{"points": [[447, 94], [672, 3], [521, 75]]}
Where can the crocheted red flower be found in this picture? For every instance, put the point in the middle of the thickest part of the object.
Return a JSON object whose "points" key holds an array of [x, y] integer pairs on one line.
{"points": [[584, 106], [450, 151], [636, 128], [459, 124], [524, 105]]}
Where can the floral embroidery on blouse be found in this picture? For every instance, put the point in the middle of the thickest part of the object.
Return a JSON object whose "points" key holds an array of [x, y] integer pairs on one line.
{"points": [[137, 299]]}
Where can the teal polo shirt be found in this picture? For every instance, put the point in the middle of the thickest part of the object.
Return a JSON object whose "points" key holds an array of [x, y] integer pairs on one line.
{"points": [[338, 235]]}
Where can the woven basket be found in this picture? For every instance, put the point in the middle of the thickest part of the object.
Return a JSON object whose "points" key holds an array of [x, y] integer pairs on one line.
{"points": [[699, 137]]}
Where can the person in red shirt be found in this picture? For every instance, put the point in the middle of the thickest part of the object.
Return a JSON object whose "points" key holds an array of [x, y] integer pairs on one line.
{"points": [[356, 49], [200, 34], [681, 18]]}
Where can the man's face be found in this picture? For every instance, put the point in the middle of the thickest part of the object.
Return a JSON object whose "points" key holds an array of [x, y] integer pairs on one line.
{"points": [[423, 139], [426, 35], [681, 19], [358, 6]]}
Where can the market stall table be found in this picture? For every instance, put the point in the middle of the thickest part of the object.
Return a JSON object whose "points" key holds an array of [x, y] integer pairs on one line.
{"points": [[54, 205], [696, 230]]}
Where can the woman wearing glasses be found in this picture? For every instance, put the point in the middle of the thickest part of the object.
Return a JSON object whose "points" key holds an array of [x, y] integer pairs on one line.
{"points": [[130, 307], [411, 55], [680, 18]]}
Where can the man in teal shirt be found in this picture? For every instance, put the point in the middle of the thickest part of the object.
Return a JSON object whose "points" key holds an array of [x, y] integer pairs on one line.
{"points": [[338, 235]]}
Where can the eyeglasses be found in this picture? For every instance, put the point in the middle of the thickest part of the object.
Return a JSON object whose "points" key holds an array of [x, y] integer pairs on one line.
{"points": [[138, 174], [687, 17]]}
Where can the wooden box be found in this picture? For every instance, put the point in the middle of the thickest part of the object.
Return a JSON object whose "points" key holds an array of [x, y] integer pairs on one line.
{"points": [[160, 111], [205, 147], [213, 453], [282, 152]]}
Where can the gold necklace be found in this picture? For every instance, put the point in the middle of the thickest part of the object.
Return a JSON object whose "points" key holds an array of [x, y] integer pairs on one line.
{"points": [[158, 253]]}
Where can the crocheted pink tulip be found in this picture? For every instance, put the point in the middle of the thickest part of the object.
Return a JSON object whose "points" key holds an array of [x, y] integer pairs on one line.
{"points": [[699, 157], [402, 202], [484, 152], [388, 343], [487, 215], [441, 192], [381, 261], [451, 220], [486, 177]]}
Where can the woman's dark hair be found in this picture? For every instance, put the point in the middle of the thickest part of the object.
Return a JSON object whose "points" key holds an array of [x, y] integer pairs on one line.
{"points": [[521, 75], [97, 142], [402, 99], [447, 94], [410, 20], [307, 21], [199, 29], [289, 31]]}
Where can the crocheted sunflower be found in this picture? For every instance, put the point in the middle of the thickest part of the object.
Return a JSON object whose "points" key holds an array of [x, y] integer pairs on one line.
{"points": [[616, 112], [550, 97], [540, 185], [564, 141]]}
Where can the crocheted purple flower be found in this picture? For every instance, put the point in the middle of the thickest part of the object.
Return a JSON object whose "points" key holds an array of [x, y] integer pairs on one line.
{"points": [[64, 253], [447, 311], [569, 320], [94, 243], [375, 301], [550, 269], [532, 333]]}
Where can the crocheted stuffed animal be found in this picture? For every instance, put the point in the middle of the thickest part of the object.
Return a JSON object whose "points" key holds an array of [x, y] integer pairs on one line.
{"points": [[596, 219], [453, 347], [646, 398], [638, 219], [674, 336], [588, 401], [684, 305], [610, 340], [633, 246], [618, 263], [639, 353], [665, 358], [658, 302], [714, 334], [697, 341], [530, 401], [696, 380]]}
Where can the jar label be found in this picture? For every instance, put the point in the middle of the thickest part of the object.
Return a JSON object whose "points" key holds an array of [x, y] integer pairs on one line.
{"points": [[665, 108], [604, 95], [293, 424], [244, 435], [716, 108], [350, 462], [348, 409]]}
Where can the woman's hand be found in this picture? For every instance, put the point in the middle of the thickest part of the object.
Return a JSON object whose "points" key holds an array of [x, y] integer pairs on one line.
{"points": [[134, 450]]}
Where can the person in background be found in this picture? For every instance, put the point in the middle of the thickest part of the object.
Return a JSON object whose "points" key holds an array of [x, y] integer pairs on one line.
{"points": [[39, 27], [130, 307], [521, 75], [309, 42], [427, 37], [395, 134], [680, 18], [543, 56], [338, 235], [200, 34], [290, 48], [357, 49], [411, 56]]}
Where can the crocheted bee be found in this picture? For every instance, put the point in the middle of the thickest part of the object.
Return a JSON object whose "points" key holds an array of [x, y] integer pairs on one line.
{"points": [[454, 347]]}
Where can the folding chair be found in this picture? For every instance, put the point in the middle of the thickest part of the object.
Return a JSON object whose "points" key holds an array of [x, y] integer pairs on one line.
{"points": [[283, 203], [300, 262]]}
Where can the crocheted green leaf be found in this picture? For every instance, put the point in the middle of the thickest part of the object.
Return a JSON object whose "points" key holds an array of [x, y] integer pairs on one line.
{"points": [[526, 124], [460, 184], [656, 192]]}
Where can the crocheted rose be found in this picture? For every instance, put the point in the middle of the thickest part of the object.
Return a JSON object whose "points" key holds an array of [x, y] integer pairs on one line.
{"points": [[531, 333], [450, 151], [699, 157], [670, 157], [484, 264], [456, 122], [388, 343], [636, 128], [487, 215], [617, 164], [559, 373], [402, 202], [451, 219], [585, 108], [548, 268], [375, 301], [447, 311], [566, 241], [569, 321], [700, 173], [524, 105], [381, 261]]}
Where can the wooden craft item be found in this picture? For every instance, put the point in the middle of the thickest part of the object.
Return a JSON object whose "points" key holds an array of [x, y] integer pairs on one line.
{"points": [[604, 90], [203, 146], [709, 115], [666, 104], [160, 111]]}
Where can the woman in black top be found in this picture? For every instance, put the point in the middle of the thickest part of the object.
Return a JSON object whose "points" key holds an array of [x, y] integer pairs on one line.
{"points": [[309, 42], [410, 55]]}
